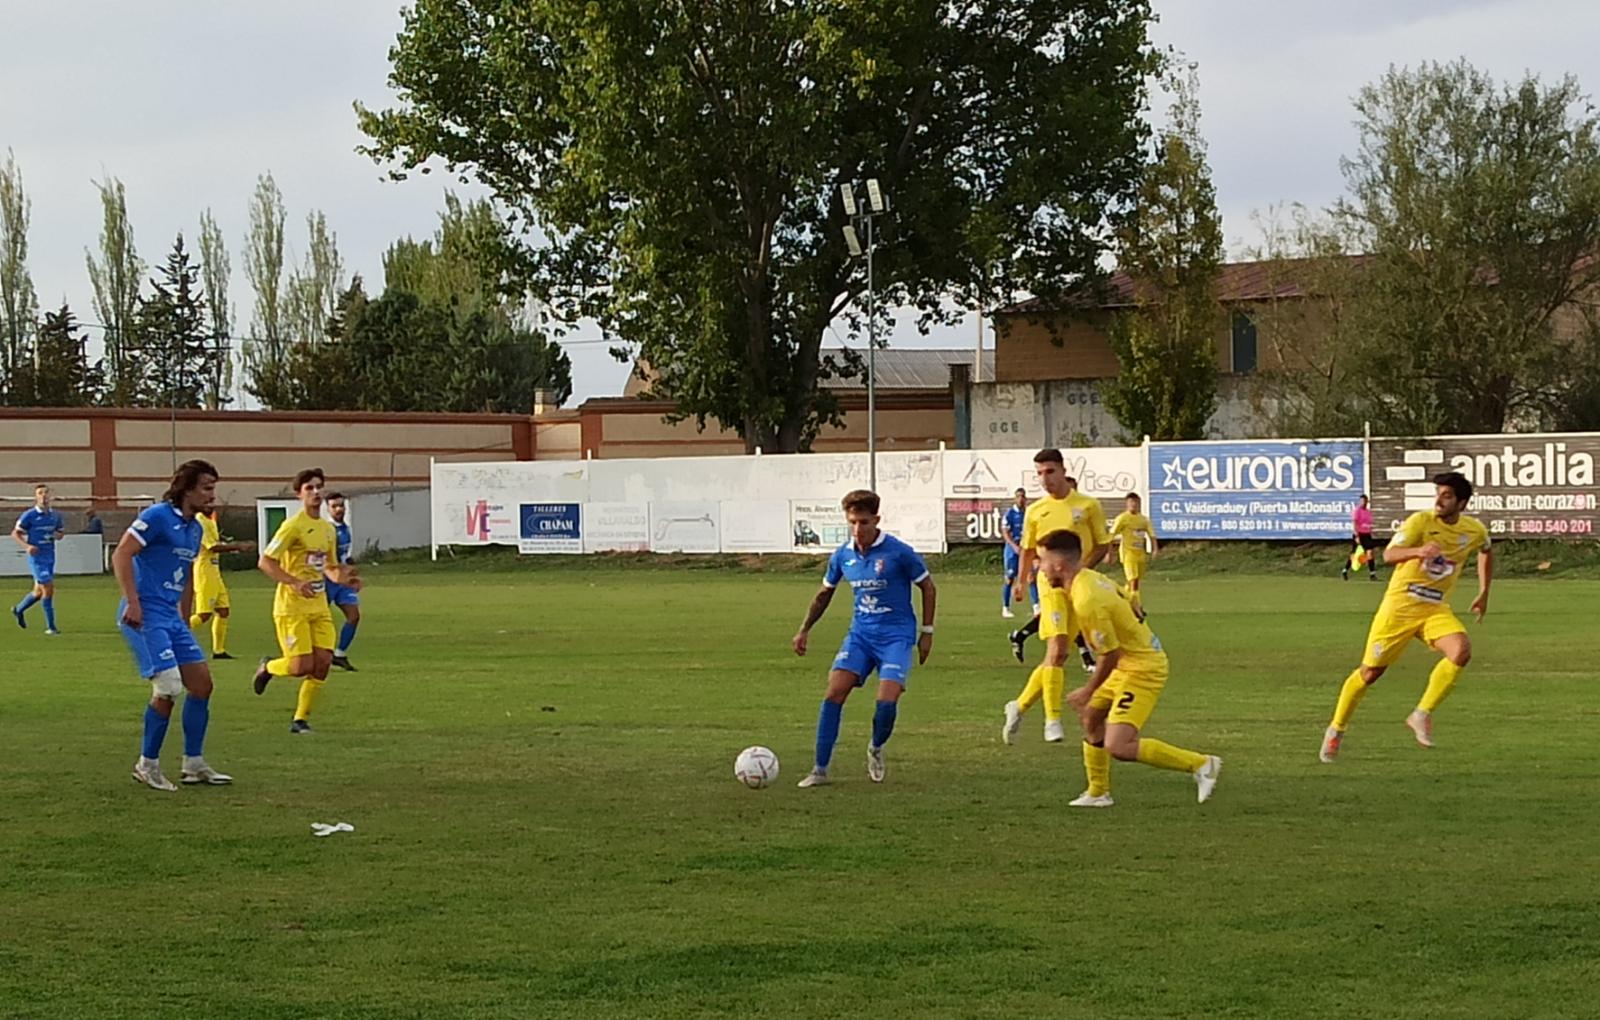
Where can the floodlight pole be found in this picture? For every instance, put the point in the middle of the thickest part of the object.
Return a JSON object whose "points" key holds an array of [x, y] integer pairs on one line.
{"points": [[872, 367]]}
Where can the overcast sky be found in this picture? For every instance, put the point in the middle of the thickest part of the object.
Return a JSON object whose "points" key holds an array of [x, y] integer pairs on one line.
{"points": [[188, 102]]}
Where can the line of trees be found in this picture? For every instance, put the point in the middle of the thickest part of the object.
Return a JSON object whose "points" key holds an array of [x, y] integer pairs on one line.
{"points": [[448, 333]]}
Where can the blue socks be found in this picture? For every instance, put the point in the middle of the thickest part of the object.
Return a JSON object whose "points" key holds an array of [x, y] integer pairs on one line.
{"points": [[155, 730], [827, 731], [196, 714], [49, 613], [346, 636], [27, 603], [883, 722]]}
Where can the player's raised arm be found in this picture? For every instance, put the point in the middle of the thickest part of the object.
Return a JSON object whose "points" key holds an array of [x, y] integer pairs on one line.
{"points": [[1403, 547], [819, 605], [1480, 605]]}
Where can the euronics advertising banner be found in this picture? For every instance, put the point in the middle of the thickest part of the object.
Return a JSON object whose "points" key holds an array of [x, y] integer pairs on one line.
{"points": [[1526, 486], [1265, 489], [551, 528]]}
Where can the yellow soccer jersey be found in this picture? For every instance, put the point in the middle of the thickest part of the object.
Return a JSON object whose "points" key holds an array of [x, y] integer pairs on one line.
{"points": [[1431, 582], [1107, 621], [304, 546], [1135, 531], [1075, 512], [208, 561]]}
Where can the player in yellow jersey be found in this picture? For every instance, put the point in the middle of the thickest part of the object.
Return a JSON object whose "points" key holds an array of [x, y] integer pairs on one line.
{"points": [[302, 556], [210, 592], [1138, 535], [1430, 552], [1115, 703], [1061, 507]]}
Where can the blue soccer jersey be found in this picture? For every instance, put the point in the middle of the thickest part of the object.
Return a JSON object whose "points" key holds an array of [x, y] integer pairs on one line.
{"points": [[39, 527], [1013, 524], [162, 567], [341, 531], [338, 594], [881, 580]]}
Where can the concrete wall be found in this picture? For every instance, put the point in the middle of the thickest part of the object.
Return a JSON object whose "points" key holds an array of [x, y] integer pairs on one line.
{"points": [[1070, 412]]}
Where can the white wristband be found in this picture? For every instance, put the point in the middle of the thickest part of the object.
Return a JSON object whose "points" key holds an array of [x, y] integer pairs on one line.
{"points": [[927, 629]]}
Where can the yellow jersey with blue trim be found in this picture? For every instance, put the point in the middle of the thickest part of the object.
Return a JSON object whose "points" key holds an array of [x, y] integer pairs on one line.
{"points": [[1073, 512], [1430, 582], [304, 547], [1108, 622]]}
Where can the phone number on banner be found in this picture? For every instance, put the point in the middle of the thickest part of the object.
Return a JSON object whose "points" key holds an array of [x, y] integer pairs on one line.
{"points": [[1577, 526]]}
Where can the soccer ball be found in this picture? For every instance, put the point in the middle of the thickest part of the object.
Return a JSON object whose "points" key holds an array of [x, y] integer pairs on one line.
{"points": [[756, 767]]}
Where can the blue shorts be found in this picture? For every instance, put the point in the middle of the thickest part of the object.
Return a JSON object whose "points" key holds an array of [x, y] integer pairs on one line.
{"points": [[1013, 561], [339, 595], [43, 568], [861, 654], [161, 643]]}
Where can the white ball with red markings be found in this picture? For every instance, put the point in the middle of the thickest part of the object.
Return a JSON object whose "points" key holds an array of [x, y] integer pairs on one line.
{"points": [[756, 767]]}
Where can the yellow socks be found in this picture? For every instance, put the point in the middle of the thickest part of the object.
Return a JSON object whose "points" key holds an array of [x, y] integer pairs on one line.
{"points": [[1165, 756], [310, 691], [1440, 681], [1097, 766], [1032, 691], [1350, 696], [219, 635], [1055, 685]]}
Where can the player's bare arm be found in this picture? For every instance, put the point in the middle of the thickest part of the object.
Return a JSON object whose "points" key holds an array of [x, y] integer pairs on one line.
{"points": [[819, 605], [1095, 555], [930, 602], [1480, 605], [186, 600], [122, 569], [346, 574], [269, 566], [22, 540]]}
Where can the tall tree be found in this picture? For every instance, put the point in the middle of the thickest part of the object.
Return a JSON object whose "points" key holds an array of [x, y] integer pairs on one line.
{"points": [[683, 161], [177, 360], [1479, 206], [461, 266], [116, 277], [312, 298], [216, 271], [1171, 247], [19, 305], [265, 350], [60, 373]]}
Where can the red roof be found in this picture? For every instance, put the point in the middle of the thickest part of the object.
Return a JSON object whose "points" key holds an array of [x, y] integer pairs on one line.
{"points": [[1236, 281]]}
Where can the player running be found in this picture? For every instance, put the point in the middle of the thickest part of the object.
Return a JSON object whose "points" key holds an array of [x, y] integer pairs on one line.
{"points": [[346, 598], [1431, 551], [881, 570], [1115, 703], [1011, 531], [1062, 506], [302, 557], [154, 564], [211, 602], [37, 531], [1137, 534]]}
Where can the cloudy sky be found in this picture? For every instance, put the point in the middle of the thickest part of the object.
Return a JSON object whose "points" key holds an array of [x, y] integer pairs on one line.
{"points": [[188, 102]]}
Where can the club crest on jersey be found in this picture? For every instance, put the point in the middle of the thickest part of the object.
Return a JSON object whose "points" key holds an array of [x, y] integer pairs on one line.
{"points": [[878, 566]]}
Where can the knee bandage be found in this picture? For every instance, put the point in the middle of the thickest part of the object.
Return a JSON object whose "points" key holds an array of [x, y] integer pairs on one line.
{"points": [[168, 684]]}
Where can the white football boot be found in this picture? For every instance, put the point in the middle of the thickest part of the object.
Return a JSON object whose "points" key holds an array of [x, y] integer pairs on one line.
{"points": [[1013, 723], [148, 772], [1205, 777], [195, 771]]}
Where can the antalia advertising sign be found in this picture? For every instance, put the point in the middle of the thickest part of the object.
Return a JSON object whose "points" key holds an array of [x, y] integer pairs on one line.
{"points": [[1533, 486], [1268, 489]]}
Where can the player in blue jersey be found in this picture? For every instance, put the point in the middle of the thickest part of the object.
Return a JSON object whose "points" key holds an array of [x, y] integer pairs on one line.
{"points": [[883, 633], [347, 599], [154, 566], [36, 531], [1011, 531]]}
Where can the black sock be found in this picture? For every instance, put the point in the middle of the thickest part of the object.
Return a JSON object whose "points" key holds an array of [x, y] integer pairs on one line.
{"points": [[1030, 628], [1083, 650]]}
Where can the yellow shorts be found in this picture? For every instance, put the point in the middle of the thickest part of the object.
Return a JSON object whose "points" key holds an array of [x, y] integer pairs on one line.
{"points": [[1129, 696], [1134, 565], [299, 635], [1392, 629], [1055, 613], [210, 594]]}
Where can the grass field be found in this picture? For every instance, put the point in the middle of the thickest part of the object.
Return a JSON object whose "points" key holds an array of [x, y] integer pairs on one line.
{"points": [[537, 762]]}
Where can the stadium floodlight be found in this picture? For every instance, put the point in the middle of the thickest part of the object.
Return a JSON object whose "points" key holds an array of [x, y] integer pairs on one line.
{"points": [[875, 195], [862, 218], [852, 241]]}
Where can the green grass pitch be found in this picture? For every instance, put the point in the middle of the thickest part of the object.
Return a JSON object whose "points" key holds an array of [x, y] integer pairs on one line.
{"points": [[537, 761]]}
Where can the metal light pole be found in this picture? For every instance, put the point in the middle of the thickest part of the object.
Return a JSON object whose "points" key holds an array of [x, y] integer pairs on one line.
{"points": [[862, 217]]}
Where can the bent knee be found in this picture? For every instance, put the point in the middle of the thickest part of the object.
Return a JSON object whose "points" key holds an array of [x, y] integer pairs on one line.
{"points": [[1461, 656], [1123, 748]]}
